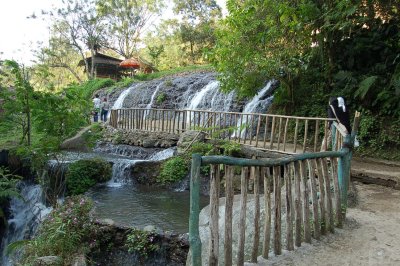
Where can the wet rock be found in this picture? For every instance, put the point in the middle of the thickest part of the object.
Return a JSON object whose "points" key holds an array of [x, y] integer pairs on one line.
{"points": [[47, 261]]}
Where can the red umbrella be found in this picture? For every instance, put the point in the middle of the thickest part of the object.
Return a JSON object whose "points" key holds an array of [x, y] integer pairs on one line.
{"points": [[130, 63]]}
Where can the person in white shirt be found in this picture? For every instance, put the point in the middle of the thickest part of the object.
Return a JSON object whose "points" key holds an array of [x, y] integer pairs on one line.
{"points": [[105, 106], [96, 105]]}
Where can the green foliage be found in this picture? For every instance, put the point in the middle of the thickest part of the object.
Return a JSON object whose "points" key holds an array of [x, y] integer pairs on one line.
{"points": [[94, 134], [160, 74], [8, 184], [231, 148], [84, 174], [67, 231], [91, 86], [141, 242], [172, 170], [18, 101], [161, 97]]}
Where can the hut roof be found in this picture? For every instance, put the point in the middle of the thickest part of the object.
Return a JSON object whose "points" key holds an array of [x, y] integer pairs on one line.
{"points": [[100, 58]]}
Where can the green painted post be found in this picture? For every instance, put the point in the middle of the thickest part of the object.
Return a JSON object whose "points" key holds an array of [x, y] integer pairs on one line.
{"points": [[194, 236]]}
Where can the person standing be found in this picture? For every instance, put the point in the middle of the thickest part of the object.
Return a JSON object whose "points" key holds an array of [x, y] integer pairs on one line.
{"points": [[96, 106], [105, 106], [337, 110]]}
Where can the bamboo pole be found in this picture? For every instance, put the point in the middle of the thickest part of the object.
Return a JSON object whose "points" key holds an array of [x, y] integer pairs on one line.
{"points": [[305, 136], [272, 133], [334, 176], [279, 133], [267, 206], [265, 131], [317, 228], [255, 174], [322, 200], [297, 203], [242, 219], [214, 216], [228, 215], [289, 209], [331, 225], [285, 134], [306, 204], [277, 211], [316, 135], [295, 135]]}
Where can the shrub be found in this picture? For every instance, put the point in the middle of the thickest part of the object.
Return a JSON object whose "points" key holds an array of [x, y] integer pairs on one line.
{"points": [[84, 174], [141, 242], [67, 230], [172, 170], [161, 98]]}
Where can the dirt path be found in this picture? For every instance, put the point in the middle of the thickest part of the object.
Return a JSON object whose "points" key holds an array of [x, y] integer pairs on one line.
{"points": [[371, 235]]}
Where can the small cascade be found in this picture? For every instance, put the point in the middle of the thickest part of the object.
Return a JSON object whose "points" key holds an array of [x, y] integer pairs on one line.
{"points": [[162, 155], [134, 152], [26, 214], [121, 172], [120, 101], [148, 106], [257, 104]]}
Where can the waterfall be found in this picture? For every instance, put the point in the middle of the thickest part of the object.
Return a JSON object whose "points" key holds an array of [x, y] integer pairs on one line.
{"points": [[199, 96], [120, 101], [26, 214], [251, 107], [253, 104], [121, 172], [162, 155], [154, 95]]}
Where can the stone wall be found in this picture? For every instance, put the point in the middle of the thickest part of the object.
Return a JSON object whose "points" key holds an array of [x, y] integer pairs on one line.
{"points": [[141, 138]]}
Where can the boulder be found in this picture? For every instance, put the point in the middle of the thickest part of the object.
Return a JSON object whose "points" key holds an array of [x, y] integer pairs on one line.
{"points": [[187, 138], [204, 229]]}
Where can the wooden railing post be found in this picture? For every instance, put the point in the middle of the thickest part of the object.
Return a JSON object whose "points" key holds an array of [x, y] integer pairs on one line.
{"points": [[194, 236], [344, 173]]}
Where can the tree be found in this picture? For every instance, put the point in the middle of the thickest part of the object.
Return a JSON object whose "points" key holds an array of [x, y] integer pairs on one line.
{"points": [[155, 52], [262, 40], [127, 20], [79, 26], [60, 61], [18, 96], [198, 24]]}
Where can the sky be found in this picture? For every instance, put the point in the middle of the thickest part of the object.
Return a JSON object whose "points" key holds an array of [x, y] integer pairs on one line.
{"points": [[19, 35]]}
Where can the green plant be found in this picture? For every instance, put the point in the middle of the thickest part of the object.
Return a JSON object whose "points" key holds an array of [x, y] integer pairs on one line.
{"points": [[68, 230], [93, 135], [231, 148], [168, 83], [142, 242], [84, 174], [172, 170], [161, 98], [8, 187]]}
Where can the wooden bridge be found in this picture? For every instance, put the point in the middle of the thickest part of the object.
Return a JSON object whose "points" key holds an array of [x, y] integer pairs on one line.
{"points": [[308, 186]]}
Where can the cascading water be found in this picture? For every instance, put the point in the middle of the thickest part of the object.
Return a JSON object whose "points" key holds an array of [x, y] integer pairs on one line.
{"points": [[154, 95], [252, 106], [198, 97], [26, 214], [118, 104]]}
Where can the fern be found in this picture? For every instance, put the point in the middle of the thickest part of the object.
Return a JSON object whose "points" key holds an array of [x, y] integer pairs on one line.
{"points": [[365, 86]]}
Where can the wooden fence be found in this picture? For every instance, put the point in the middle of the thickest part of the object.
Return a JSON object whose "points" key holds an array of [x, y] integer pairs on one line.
{"points": [[288, 134], [310, 189]]}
